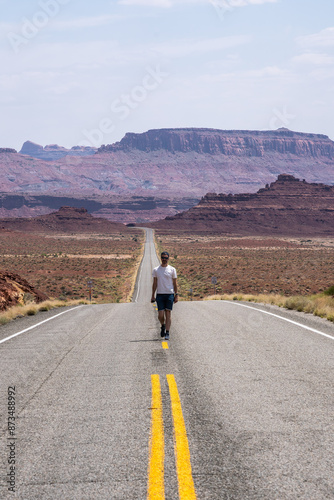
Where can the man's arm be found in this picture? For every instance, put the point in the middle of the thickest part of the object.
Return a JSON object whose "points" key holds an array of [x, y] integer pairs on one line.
{"points": [[154, 287], [176, 296]]}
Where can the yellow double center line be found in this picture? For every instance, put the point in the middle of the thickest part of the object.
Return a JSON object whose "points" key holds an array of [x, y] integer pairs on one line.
{"points": [[156, 485], [156, 488]]}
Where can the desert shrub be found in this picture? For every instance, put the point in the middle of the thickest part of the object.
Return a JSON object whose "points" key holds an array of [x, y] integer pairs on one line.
{"points": [[45, 307], [310, 306], [297, 303], [330, 291], [31, 311], [28, 297], [319, 312]]}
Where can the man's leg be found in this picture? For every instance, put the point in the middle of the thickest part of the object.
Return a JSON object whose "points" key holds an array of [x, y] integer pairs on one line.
{"points": [[168, 314], [162, 319], [168, 319], [161, 316]]}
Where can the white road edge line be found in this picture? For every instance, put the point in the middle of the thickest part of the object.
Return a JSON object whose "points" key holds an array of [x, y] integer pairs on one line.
{"points": [[138, 281], [141, 265], [38, 324], [285, 319]]}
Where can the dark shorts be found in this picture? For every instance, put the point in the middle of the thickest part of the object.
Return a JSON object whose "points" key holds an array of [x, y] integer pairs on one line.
{"points": [[165, 301]]}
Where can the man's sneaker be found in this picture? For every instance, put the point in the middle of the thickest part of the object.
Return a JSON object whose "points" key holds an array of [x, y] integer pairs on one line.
{"points": [[167, 336], [163, 330]]}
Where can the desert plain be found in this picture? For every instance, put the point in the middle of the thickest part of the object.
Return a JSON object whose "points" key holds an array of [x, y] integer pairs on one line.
{"points": [[249, 265], [62, 264]]}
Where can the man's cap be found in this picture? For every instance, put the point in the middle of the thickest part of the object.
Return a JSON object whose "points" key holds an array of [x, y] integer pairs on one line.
{"points": [[164, 253]]}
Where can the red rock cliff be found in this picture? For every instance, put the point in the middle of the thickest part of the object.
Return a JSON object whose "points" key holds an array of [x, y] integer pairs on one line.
{"points": [[13, 288], [287, 206], [227, 142]]}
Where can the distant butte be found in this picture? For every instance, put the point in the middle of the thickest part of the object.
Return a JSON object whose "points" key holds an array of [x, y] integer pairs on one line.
{"points": [[158, 172], [287, 206], [7, 150], [226, 142], [53, 151], [65, 220]]}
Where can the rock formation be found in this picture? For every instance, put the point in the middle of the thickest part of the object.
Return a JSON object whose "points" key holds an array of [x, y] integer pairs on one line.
{"points": [[14, 290], [53, 151], [122, 209], [175, 163], [166, 164], [65, 220], [287, 206], [227, 142], [7, 150]]}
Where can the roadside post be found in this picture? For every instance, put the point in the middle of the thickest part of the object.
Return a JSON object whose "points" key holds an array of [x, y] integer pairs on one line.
{"points": [[214, 282], [191, 293], [90, 286]]}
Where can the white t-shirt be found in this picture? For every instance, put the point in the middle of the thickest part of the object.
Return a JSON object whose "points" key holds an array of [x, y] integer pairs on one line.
{"points": [[165, 277]]}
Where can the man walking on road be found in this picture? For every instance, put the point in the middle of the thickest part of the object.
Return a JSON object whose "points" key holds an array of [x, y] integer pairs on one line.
{"points": [[165, 284]]}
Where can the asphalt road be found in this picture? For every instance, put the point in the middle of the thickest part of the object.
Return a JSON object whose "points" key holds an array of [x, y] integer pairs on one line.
{"points": [[244, 397]]}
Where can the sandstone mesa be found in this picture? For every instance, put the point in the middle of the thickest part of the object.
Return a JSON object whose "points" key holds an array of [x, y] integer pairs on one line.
{"points": [[146, 176], [286, 207]]}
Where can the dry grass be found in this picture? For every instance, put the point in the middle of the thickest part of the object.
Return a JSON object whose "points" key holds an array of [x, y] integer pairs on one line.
{"points": [[32, 308], [319, 305]]}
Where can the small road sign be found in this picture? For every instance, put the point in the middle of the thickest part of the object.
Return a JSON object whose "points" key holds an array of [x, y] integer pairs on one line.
{"points": [[214, 282], [90, 286]]}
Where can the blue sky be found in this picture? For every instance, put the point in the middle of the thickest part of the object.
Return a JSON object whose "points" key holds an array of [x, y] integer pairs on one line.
{"points": [[78, 72]]}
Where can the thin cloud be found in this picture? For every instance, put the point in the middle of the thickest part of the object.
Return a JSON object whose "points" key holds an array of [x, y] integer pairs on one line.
{"points": [[186, 47], [64, 88], [269, 72], [227, 4], [83, 22], [147, 3], [324, 38], [87, 22], [259, 2], [244, 3], [6, 27], [314, 59]]}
